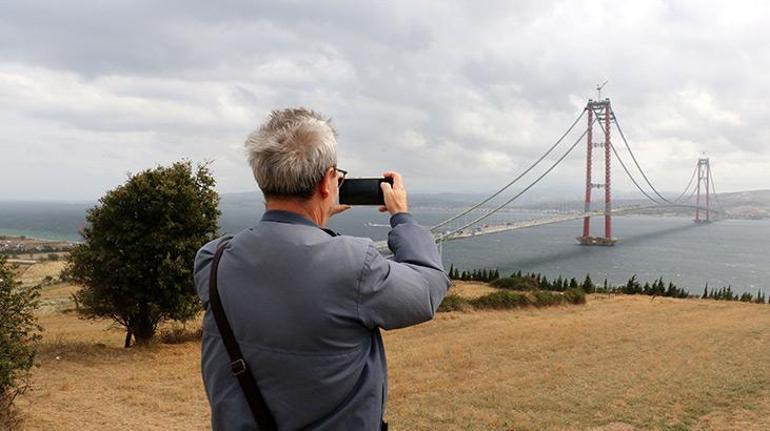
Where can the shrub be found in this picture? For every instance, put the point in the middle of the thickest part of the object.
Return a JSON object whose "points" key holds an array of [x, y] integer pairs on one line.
{"points": [[19, 334], [523, 283], [501, 300], [453, 302], [137, 257], [178, 334], [506, 299], [544, 298], [575, 296]]}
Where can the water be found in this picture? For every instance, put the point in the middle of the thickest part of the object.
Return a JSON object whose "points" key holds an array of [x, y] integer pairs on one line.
{"points": [[730, 252]]}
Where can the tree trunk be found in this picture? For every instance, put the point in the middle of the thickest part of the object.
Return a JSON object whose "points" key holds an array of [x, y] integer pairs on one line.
{"points": [[127, 343], [143, 327]]}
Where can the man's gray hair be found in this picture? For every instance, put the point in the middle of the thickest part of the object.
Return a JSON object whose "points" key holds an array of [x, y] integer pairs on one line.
{"points": [[291, 152]]}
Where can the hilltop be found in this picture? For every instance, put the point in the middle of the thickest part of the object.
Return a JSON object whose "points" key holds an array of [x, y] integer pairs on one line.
{"points": [[617, 363]]}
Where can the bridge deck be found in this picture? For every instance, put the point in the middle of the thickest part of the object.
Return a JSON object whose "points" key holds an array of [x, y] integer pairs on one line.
{"points": [[382, 246]]}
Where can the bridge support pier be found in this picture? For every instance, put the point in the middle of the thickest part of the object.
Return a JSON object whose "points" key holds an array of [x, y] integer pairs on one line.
{"points": [[602, 111], [704, 177]]}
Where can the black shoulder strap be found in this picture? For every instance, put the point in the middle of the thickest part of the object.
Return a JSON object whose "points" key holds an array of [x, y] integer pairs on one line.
{"points": [[238, 366]]}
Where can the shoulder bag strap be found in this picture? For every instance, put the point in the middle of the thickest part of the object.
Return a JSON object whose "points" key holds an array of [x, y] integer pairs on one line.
{"points": [[238, 366]]}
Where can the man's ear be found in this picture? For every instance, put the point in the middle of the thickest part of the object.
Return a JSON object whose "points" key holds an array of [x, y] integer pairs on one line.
{"points": [[327, 183]]}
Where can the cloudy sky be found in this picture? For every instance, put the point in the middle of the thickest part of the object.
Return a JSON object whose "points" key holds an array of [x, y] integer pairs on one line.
{"points": [[458, 96]]}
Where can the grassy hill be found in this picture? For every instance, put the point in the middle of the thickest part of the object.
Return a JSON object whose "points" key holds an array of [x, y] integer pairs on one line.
{"points": [[617, 363]]}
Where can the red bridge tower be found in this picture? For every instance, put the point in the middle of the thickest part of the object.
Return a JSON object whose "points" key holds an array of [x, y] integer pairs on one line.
{"points": [[602, 111]]}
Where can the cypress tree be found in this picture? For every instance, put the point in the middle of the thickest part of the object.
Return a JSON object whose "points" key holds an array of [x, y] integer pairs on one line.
{"points": [[588, 285], [544, 284], [451, 272], [705, 292], [646, 289]]}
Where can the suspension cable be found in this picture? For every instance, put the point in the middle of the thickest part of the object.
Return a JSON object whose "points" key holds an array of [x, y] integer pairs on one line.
{"points": [[713, 189], [622, 135], [692, 177], [526, 171], [631, 176], [690, 196], [537, 180]]}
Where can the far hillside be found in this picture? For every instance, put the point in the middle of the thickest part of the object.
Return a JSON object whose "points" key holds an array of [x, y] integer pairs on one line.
{"points": [[754, 204]]}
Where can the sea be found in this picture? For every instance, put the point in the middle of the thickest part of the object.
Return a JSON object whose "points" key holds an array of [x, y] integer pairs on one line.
{"points": [[732, 253]]}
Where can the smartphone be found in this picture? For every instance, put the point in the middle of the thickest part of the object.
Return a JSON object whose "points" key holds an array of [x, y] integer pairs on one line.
{"points": [[363, 191]]}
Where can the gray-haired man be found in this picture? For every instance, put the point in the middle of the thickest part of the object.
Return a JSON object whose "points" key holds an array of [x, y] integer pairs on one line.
{"points": [[306, 304]]}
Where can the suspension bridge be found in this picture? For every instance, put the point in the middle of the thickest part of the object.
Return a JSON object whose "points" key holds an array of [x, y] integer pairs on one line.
{"points": [[699, 195]]}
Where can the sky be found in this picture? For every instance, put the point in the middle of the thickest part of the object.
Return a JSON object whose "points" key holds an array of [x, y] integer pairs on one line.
{"points": [[457, 96]]}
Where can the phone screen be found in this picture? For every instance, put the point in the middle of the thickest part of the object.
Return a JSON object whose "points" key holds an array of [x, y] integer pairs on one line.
{"points": [[363, 191]]}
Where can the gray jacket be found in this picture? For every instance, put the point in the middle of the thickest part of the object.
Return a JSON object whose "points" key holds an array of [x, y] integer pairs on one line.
{"points": [[306, 307]]}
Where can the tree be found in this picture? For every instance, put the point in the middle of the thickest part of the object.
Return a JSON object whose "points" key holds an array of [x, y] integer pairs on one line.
{"points": [[19, 334], [705, 292], [544, 283], [588, 285], [558, 285], [139, 247], [632, 287]]}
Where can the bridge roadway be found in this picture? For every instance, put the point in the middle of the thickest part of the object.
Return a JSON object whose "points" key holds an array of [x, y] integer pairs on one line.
{"points": [[489, 229]]}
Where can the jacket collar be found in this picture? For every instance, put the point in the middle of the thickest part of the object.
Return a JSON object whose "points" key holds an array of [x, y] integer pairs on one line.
{"points": [[281, 216]]}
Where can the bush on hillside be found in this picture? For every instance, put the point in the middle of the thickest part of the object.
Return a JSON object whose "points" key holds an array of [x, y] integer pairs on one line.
{"points": [[575, 296], [521, 283], [19, 334], [506, 299], [453, 302], [501, 300]]}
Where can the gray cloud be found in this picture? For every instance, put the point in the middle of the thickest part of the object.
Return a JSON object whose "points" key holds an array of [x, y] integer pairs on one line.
{"points": [[458, 96]]}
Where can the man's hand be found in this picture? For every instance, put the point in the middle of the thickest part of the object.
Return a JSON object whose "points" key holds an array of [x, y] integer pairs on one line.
{"points": [[336, 209], [395, 196]]}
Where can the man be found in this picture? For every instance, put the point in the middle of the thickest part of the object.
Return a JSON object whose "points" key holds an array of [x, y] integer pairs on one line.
{"points": [[305, 304]]}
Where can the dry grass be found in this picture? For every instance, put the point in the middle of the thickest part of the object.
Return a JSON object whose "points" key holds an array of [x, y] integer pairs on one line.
{"points": [[617, 363], [662, 364], [36, 273], [471, 289], [86, 381], [58, 292]]}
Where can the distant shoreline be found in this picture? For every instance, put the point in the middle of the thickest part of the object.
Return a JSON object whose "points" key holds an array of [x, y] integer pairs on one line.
{"points": [[13, 234]]}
